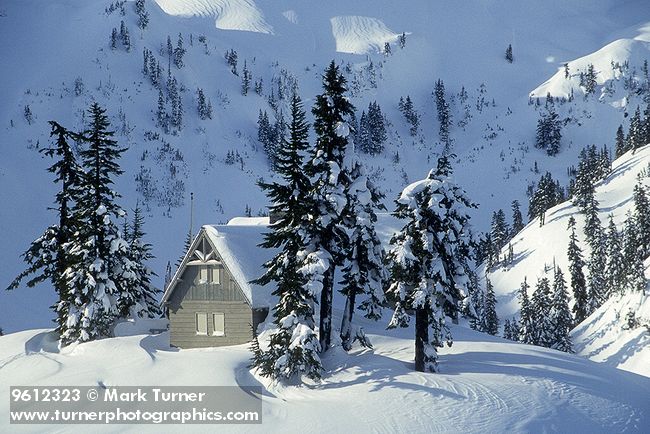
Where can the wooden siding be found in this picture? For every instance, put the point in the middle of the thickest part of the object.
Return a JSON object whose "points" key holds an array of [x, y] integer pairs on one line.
{"points": [[191, 296]]}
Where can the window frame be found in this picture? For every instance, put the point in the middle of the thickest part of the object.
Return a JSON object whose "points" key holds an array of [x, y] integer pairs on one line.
{"points": [[214, 324], [196, 323]]}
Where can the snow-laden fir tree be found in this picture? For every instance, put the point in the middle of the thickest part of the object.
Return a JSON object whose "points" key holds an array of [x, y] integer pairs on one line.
{"points": [[140, 300], [620, 142], [594, 235], [245, 80], [578, 281], [560, 315], [635, 279], [540, 314], [98, 253], [526, 325], [615, 265], [293, 348], [490, 318], [143, 15], [509, 57], [428, 259], [47, 257], [642, 218], [547, 195], [590, 82], [476, 300], [325, 237], [499, 231], [364, 272], [179, 52]]}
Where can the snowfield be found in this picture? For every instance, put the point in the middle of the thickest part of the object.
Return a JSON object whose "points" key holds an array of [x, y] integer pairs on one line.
{"points": [[486, 384]]}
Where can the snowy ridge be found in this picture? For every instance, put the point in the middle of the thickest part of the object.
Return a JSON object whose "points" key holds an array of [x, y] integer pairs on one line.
{"points": [[241, 15], [360, 35]]}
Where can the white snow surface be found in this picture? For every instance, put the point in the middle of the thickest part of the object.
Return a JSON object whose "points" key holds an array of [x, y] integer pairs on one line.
{"points": [[536, 248], [486, 384], [360, 35]]}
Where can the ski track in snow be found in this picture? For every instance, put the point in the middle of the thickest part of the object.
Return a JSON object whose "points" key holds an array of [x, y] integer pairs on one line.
{"points": [[360, 35], [241, 15]]}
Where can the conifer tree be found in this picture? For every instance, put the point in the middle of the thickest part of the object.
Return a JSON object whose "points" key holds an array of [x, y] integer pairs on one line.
{"points": [[143, 15], [614, 270], [642, 218], [364, 272], [245, 80], [140, 298], [428, 259], [621, 143], [444, 117], [549, 131], [293, 348], [517, 219], [179, 52], [634, 133], [97, 251], [578, 282], [325, 238], [526, 325], [635, 279], [560, 315], [490, 318], [499, 231], [541, 310], [47, 257], [597, 259], [509, 57], [476, 300]]}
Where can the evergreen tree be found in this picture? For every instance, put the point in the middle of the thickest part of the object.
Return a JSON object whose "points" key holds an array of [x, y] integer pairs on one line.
{"points": [[161, 112], [411, 116], [490, 318], [578, 282], [476, 300], [526, 325], [642, 218], [549, 131], [325, 238], [635, 279], [245, 80], [113, 42], [98, 252], [140, 299], [444, 117], [590, 82], [204, 108], [364, 272], [615, 266], [500, 232], [547, 195], [47, 257], [560, 315], [598, 258], [517, 219], [179, 52], [509, 57], [428, 259], [143, 15], [621, 143], [293, 348], [634, 140], [541, 311]]}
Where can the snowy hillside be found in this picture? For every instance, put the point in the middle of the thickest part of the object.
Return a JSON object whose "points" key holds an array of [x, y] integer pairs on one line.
{"points": [[284, 44], [486, 384], [536, 249]]}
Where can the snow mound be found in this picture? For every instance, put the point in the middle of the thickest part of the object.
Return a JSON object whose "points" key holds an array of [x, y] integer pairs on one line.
{"points": [[291, 15], [621, 51], [606, 336], [241, 15], [360, 35]]}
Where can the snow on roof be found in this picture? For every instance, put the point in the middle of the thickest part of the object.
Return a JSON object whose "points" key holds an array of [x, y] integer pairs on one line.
{"points": [[238, 247], [237, 243]]}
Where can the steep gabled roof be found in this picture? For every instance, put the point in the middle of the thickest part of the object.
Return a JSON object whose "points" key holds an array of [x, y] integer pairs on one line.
{"points": [[237, 246]]}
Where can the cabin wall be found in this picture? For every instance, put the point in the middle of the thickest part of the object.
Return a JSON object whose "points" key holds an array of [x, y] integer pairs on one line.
{"points": [[192, 296]]}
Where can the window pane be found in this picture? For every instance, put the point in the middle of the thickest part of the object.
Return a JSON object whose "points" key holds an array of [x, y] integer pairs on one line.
{"points": [[201, 323], [203, 275], [219, 324], [216, 275]]}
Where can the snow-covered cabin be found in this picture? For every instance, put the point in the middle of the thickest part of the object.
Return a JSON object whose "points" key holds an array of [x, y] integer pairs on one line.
{"points": [[211, 300]]}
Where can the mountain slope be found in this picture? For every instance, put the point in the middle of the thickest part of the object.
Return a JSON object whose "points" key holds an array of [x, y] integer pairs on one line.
{"points": [[284, 43]]}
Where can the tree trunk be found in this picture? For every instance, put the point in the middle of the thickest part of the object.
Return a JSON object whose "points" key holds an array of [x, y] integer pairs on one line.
{"points": [[346, 322], [325, 327], [421, 337]]}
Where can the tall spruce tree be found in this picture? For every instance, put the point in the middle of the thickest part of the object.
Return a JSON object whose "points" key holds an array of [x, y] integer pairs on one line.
{"points": [[526, 325], [490, 318], [621, 144], [635, 279], [444, 117], [541, 314], [98, 252], [428, 259], [578, 282], [47, 257], [517, 219], [325, 237], [615, 265], [293, 347], [642, 218], [597, 259], [560, 315], [500, 232]]}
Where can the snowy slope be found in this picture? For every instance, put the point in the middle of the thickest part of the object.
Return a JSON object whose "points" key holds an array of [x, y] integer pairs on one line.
{"points": [[462, 43], [486, 384], [536, 249]]}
